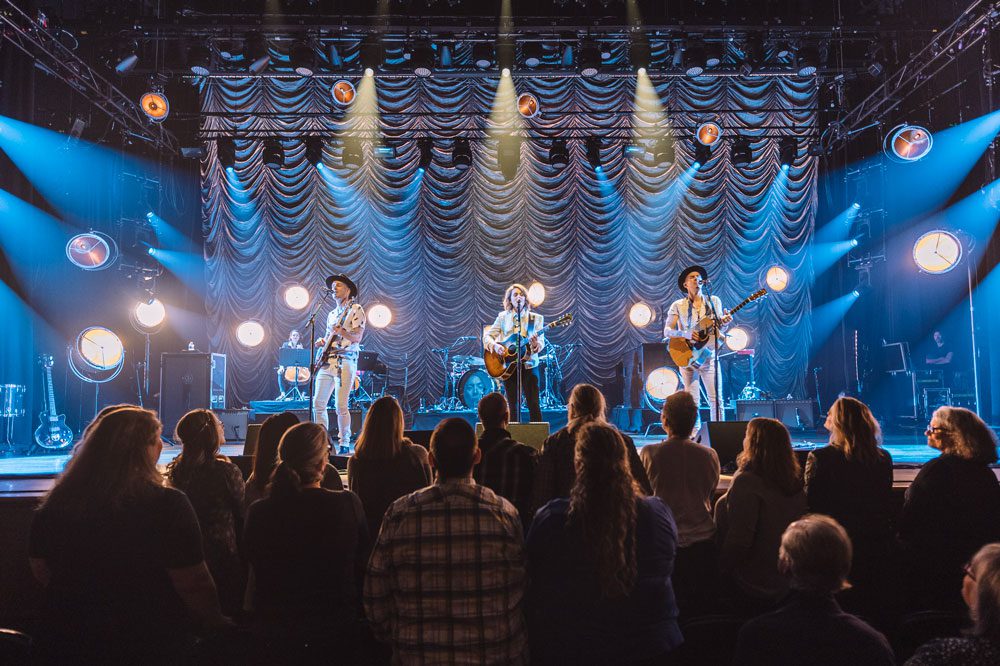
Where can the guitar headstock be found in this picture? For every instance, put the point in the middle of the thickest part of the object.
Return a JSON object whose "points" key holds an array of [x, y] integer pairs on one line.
{"points": [[757, 294], [45, 360], [564, 320]]}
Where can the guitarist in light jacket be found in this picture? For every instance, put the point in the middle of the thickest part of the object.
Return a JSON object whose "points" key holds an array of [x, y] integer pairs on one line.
{"points": [[682, 318], [502, 333]]}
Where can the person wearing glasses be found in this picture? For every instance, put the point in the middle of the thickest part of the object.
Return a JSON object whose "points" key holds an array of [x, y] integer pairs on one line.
{"points": [[951, 509]]}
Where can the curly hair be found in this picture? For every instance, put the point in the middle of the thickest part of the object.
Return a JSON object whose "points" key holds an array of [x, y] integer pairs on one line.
{"points": [[967, 435], [586, 405], [854, 430], [767, 452], [603, 504]]}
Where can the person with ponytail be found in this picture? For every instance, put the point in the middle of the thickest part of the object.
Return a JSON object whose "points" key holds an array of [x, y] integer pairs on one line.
{"points": [[600, 564], [215, 487], [307, 548]]}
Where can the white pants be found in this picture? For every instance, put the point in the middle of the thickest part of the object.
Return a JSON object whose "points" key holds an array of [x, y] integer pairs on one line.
{"points": [[327, 382], [693, 378]]}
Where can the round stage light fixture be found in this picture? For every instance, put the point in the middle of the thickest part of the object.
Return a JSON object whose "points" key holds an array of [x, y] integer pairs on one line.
{"points": [[250, 333], [147, 317], [536, 293], [660, 384], [641, 315], [527, 105], [461, 154], [97, 356], [708, 134], [737, 338], [777, 278], [343, 93], [369, 72], [908, 143], [505, 72], [155, 105], [91, 251], [296, 297], [937, 252], [379, 315]]}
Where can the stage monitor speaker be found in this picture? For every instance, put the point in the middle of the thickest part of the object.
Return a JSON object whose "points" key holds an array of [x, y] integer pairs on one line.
{"points": [[647, 357], [253, 434], [726, 437], [751, 409], [234, 423], [189, 380], [796, 414], [533, 434]]}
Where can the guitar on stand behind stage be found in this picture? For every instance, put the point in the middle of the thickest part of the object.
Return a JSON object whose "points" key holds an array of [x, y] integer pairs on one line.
{"points": [[53, 433]]}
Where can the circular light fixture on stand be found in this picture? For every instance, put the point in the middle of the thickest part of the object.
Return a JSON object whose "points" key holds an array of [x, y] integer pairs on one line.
{"points": [[250, 333], [777, 278], [536, 293], [641, 315], [937, 252], [660, 384], [296, 297], [97, 356], [379, 315]]}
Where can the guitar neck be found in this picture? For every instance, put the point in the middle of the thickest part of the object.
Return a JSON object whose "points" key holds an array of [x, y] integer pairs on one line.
{"points": [[51, 393]]}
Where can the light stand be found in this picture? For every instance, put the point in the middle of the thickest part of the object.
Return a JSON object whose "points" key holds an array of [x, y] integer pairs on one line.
{"points": [[312, 362], [972, 334], [717, 331], [517, 403]]}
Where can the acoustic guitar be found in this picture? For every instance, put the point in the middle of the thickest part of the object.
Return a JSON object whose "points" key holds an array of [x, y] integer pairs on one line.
{"points": [[503, 366], [53, 433], [694, 352]]}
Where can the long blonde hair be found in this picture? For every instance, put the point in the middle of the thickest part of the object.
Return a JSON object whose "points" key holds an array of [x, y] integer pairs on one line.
{"points": [[767, 452], [603, 503], [855, 431], [381, 435], [586, 405]]}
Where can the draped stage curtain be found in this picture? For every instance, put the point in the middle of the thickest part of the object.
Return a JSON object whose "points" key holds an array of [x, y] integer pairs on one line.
{"points": [[439, 248]]}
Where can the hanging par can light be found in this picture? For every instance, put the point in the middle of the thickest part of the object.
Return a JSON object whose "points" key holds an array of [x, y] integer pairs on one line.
{"points": [[155, 105], [343, 93], [908, 143], [708, 134], [527, 105]]}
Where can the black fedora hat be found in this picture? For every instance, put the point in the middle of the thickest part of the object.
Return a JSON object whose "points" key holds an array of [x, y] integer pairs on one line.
{"points": [[687, 271], [340, 277]]}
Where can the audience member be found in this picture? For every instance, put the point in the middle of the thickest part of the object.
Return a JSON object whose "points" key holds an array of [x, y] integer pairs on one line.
{"points": [[215, 488], [556, 471], [265, 458], [850, 480], [952, 508], [385, 465], [118, 553], [981, 593], [685, 474], [811, 628], [600, 564], [307, 547], [506, 467], [764, 498], [446, 578]]}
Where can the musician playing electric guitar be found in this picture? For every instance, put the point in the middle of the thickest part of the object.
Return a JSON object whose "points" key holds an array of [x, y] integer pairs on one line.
{"points": [[682, 318], [518, 317], [338, 362]]}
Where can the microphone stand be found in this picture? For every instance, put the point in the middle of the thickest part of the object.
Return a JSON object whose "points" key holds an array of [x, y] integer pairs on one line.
{"points": [[717, 331], [517, 403], [312, 362]]}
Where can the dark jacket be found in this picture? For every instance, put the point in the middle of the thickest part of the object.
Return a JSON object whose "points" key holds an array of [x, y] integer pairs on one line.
{"points": [[507, 468]]}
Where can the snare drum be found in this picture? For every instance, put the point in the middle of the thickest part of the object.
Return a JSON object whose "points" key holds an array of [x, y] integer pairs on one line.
{"points": [[12, 400], [475, 384]]}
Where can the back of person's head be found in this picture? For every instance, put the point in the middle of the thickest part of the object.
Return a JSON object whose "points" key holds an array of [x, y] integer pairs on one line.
{"points": [[453, 448], [201, 435], [104, 412], [767, 452], [493, 411], [984, 569], [302, 458], [586, 404], [966, 435], [816, 553], [381, 435], [679, 414], [603, 504], [265, 456], [115, 461], [854, 430]]}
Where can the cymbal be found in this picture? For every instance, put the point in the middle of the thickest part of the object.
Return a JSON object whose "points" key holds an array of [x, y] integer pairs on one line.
{"points": [[468, 360]]}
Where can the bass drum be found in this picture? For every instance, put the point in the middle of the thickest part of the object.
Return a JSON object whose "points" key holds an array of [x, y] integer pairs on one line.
{"points": [[475, 384]]}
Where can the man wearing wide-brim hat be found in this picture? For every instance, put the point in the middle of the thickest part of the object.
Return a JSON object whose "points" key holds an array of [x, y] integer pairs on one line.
{"points": [[683, 319], [345, 326]]}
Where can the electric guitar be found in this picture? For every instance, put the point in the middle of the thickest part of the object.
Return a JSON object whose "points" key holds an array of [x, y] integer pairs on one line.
{"points": [[53, 433], [693, 352], [502, 366], [323, 357]]}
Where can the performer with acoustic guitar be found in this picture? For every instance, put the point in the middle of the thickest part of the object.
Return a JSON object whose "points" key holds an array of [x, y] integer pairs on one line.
{"points": [[684, 330], [338, 361], [517, 320]]}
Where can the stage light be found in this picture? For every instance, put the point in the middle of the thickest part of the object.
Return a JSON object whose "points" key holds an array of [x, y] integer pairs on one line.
{"points": [[663, 151], [426, 148], [385, 151], [807, 61], [148, 316], [314, 150], [641, 315], [509, 155], [91, 251], [379, 316], [97, 356], [370, 53], [126, 64], [559, 154], [788, 150], [536, 293], [505, 72], [937, 252], [639, 51], [482, 55], [702, 154], [343, 93], [225, 150], [777, 278], [155, 105], [660, 384], [302, 57], [296, 297], [151, 251], [274, 154], [641, 71], [422, 58], [714, 52], [708, 134], [590, 59], [199, 59], [256, 52], [352, 155], [593, 148], [461, 154], [737, 338], [250, 333], [740, 152], [908, 143], [856, 206], [369, 72], [527, 105], [753, 54], [873, 59], [694, 60], [531, 52]]}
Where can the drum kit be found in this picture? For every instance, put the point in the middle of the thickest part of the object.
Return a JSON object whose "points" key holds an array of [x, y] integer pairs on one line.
{"points": [[11, 408]]}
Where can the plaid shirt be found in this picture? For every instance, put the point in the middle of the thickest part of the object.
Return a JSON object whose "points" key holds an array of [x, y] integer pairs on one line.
{"points": [[446, 579], [508, 469]]}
